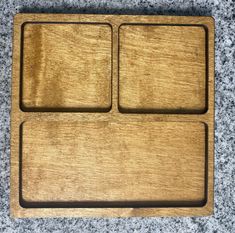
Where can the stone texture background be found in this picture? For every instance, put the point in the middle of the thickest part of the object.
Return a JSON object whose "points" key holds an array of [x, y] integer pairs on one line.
{"points": [[223, 220]]}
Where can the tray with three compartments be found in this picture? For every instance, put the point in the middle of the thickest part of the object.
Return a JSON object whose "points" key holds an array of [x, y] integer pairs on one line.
{"points": [[112, 115]]}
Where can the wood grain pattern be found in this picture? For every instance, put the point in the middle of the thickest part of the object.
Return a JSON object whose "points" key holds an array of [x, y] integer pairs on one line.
{"points": [[66, 58], [162, 68], [150, 153], [148, 161]]}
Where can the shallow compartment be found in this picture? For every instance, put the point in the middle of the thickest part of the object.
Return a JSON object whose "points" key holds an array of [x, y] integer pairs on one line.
{"points": [[111, 164], [66, 67], [162, 68]]}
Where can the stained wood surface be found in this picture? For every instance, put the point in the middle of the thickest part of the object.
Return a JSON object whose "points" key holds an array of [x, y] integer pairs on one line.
{"points": [[66, 58], [112, 115], [115, 162], [162, 68]]}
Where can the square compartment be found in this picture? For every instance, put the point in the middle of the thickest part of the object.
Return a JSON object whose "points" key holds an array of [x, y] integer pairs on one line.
{"points": [[162, 69], [66, 67]]}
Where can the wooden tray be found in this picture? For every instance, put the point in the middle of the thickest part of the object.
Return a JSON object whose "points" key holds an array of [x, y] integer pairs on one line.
{"points": [[112, 115]]}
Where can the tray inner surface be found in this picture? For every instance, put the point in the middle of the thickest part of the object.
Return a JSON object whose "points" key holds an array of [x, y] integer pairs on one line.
{"points": [[112, 112], [164, 73], [156, 162], [66, 67]]}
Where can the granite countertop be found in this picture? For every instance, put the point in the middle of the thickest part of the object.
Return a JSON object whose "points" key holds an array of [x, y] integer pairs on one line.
{"points": [[223, 219]]}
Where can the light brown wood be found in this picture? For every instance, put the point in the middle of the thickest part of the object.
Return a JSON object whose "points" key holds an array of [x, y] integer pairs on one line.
{"points": [[162, 68], [112, 115], [143, 161], [66, 58]]}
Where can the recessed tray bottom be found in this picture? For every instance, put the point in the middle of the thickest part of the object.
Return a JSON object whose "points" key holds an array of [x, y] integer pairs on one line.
{"points": [[113, 164]]}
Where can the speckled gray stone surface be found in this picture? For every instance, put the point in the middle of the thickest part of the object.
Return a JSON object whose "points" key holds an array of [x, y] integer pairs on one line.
{"points": [[223, 219]]}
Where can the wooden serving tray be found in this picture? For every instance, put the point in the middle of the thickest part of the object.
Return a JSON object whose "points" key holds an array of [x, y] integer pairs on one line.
{"points": [[112, 115]]}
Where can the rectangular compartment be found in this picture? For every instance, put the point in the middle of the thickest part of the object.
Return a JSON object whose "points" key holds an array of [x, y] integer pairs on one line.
{"points": [[117, 164]]}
